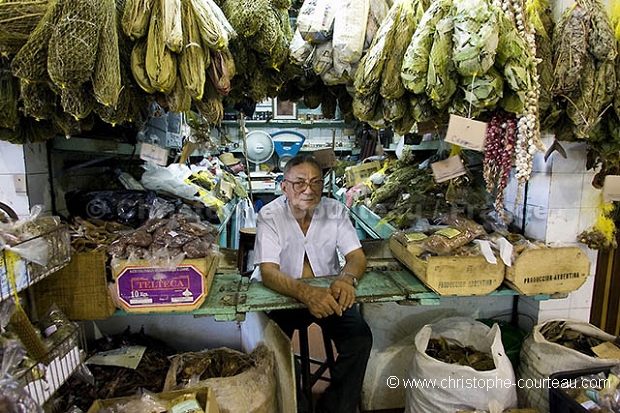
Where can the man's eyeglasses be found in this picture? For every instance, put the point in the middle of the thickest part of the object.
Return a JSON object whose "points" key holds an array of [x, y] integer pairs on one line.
{"points": [[300, 186]]}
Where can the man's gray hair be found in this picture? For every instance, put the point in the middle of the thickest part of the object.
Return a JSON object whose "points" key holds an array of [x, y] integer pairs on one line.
{"points": [[301, 159]]}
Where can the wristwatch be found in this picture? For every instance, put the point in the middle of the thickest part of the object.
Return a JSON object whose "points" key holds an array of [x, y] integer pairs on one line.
{"points": [[351, 276]]}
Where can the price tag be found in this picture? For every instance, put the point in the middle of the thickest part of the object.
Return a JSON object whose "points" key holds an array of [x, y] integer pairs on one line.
{"points": [[448, 169], [468, 133], [606, 350], [415, 236], [155, 154], [611, 188]]}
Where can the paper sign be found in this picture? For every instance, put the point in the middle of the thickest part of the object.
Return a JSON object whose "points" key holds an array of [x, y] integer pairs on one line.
{"points": [[468, 133], [606, 350], [448, 169], [155, 154], [611, 188], [128, 357]]}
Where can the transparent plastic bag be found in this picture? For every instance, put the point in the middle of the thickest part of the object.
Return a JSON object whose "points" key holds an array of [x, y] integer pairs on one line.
{"points": [[13, 397]]}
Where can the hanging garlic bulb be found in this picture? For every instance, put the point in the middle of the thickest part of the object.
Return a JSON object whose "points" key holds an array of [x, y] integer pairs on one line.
{"points": [[528, 128]]}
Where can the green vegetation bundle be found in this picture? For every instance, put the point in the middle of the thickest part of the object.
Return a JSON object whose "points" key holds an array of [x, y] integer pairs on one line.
{"points": [[138, 66], [106, 77], [115, 114], [38, 100], [414, 67], [78, 102], [214, 27], [9, 96], [179, 100], [74, 42], [18, 19], [475, 37], [441, 80], [30, 63]]}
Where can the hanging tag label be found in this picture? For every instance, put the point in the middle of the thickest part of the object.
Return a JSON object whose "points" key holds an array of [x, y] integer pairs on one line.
{"points": [[468, 133], [155, 154], [611, 188], [448, 169]]}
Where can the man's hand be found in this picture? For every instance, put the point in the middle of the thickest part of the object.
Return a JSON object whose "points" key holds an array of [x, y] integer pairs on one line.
{"points": [[344, 292], [320, 302]]}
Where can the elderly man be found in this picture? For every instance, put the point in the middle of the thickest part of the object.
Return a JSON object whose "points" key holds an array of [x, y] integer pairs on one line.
{"points": [[299, 235]]}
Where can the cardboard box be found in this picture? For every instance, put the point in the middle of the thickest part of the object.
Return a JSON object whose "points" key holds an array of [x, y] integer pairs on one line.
{"points": [[548, 271], [205, 398], [80, 289], [224, 190], [357, 174], [142, 288], [447, 275], [326, 157]]}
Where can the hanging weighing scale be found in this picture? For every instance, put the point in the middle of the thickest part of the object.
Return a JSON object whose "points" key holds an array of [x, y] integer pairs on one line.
{"points": [[287, 144]]}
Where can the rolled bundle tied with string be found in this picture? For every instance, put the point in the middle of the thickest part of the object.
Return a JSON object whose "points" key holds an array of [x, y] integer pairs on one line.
{"points": [[19, 319]]}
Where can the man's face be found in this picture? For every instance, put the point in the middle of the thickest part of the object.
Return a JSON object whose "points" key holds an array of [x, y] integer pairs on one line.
{"points": [[303, 186]]}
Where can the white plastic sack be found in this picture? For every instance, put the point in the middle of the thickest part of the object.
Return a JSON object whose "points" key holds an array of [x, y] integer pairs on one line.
{"points": [[460, 387], [299, 49], [315, 20], [349, 35], [168, 179], [541, 358]]}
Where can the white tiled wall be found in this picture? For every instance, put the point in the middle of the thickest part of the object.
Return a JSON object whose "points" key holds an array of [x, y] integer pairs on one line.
{"points": [[561, 203], [12, 167], [19, 163]]}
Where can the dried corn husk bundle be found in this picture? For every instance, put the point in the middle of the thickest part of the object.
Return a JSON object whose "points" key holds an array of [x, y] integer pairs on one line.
{"points": [[136, 17], [601, 39], [484, 91], [179, 100], [476, 36], [192, 60], [420, 107], [74, 43], [106, 78], [376, 14], [160, 62], [349, 35], [28, 131], [214, 27], [18, 19], [570, 48], [411, 13], [173, 26], [138, 66], [368, 74], [115, 114], [30, 63], [78, 102], [38, 100], [211, 106], [441, 81], [9, 96], [414, 68], [393, 109], [365, 106]]}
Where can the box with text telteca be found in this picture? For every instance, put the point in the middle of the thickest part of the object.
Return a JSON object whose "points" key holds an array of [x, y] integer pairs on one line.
{"points": [[449, 275], [548, 271], [143, 288], [204, 398]]}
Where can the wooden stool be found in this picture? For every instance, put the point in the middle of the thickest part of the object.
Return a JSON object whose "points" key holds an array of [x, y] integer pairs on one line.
{"points": [[246, 244], [308, 379]]}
